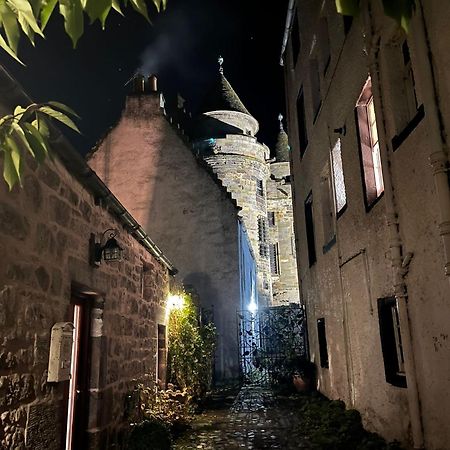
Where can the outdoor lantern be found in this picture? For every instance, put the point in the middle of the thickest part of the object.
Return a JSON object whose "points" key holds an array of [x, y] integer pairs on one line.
{"points": [[110, 251]]}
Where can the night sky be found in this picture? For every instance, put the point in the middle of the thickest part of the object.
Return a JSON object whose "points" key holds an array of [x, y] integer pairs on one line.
{"points": [[181, 47]]}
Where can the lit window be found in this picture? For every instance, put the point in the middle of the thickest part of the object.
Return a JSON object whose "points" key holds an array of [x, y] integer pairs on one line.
{"points": [[369, 145], [327, 207], [274, 259], [391, 342], [340, 195]]}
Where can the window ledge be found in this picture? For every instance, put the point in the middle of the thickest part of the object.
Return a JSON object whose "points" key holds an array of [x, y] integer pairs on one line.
{"points": [[370, 206], [401, 137]]}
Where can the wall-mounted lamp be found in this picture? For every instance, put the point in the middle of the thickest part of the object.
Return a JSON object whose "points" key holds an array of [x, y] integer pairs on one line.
{"points": [[110, 251]]}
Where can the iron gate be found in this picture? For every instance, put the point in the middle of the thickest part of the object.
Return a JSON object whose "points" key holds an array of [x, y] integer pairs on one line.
{"points": [[269, 340]]}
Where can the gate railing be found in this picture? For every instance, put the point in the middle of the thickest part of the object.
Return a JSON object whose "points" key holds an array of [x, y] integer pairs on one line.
{"points": [[269, 340]]}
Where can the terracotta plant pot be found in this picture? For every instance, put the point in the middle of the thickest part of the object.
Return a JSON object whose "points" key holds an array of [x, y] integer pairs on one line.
{"points": [[301, 384]]}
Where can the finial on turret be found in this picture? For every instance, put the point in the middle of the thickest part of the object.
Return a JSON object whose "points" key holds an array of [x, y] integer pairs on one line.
{"points": [[280, 118], [220, 61]]}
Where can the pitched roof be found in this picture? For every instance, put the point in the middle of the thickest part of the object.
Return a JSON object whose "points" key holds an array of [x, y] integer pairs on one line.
{"points": [[222, 96]]}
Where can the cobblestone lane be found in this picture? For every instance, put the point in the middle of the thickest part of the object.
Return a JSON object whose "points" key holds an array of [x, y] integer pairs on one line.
{"points": [[256, 420]]}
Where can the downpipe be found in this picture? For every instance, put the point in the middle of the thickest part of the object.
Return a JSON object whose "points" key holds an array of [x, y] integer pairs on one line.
{"points": [[398, 264]]}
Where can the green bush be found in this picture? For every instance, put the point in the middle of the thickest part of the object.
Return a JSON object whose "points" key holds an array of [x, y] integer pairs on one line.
{"points": [[191, 350]]}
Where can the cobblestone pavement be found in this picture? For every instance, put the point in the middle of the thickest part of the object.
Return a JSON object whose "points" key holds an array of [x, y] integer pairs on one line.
{"points": [[256, 420]]}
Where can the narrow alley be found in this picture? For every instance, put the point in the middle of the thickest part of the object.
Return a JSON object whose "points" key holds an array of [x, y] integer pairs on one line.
{"points": [[259, 418]]}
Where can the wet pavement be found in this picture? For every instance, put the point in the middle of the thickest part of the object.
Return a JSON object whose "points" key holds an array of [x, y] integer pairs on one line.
{"points": [[256, 420]]}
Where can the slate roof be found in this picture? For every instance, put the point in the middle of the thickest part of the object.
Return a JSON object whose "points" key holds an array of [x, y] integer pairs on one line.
{"points": [[282, 147], [222, 96]]}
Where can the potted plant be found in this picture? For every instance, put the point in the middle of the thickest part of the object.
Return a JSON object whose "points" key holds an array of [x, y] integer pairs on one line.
{"points": [[303, 374]]}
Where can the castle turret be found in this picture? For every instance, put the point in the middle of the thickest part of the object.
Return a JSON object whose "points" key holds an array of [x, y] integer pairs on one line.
{"points": [[283, 264], [225, 138]]}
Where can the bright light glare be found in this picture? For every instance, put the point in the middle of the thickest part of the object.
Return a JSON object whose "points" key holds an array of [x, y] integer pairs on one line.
{"points": [[175, 302], [253, 307]]}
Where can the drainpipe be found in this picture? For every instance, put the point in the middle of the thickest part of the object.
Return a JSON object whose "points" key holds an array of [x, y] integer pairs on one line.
{"points": [[439, 157], [396, 251], [287, 29]]}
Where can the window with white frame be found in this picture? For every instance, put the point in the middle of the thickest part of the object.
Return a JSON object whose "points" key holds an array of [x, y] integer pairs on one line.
{"points": [[369, 145], [340, 195]]}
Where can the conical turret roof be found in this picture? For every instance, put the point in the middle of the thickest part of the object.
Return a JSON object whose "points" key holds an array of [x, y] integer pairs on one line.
{"points": [[282, 145], [222, 96]]}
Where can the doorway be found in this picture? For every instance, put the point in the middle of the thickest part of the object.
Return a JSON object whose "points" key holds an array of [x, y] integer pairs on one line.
{"points": [[78, 398]]}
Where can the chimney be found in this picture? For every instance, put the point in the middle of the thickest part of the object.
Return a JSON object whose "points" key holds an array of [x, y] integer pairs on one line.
{"points": [[152, 83], [138, 84]]}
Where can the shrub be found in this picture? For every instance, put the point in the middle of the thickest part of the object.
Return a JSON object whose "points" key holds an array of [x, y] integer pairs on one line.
{"points": [[149, 434], [191, 350]]}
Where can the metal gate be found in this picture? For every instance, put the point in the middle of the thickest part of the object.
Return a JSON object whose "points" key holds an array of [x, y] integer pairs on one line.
{"points": [[269, 341]]}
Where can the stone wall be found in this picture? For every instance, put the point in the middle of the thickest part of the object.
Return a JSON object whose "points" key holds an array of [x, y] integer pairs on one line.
{"points": [[45, 229], [184, 208], [349, 277], [279, 201]]}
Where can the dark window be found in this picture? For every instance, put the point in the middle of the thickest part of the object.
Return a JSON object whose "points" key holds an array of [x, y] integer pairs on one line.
{"points": [[162, 353], [369, 145], [271, 218], [303, 136], [315, 87], [348, 20], [274, 259], [260, 188], [262, 236], [324, 43], [310, 229], [295, 38], [408, 112], [391, 342], [322, 336]]}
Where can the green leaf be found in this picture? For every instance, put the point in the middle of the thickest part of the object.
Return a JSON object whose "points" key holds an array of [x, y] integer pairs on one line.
{"points": [[9, 20], [72, 12], [18, 112], [64, 108], [116, 6], [11, 163], [36, 142], [5, 119], [98, 9], [9, 50], [400, 10], [18, 134], [36, 6], [25, 14], [348, 7], [41, 125], [47, 9], [140, 7], [59, 116]]}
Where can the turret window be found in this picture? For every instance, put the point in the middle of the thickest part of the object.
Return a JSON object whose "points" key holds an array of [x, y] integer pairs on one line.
{"points": [[260, 188], [262, 236]]}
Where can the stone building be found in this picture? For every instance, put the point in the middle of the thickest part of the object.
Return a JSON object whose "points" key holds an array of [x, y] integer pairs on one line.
{"points": [[146, 161], [51, 282], [368, 126], [225, 138]]}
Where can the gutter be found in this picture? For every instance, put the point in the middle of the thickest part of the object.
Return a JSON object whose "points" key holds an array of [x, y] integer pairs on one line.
{"points": [[77, 166], [287, 29]]}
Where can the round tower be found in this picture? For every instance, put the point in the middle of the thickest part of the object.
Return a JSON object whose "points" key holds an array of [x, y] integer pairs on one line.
{"points": [[285, 288], [225, 139]]}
